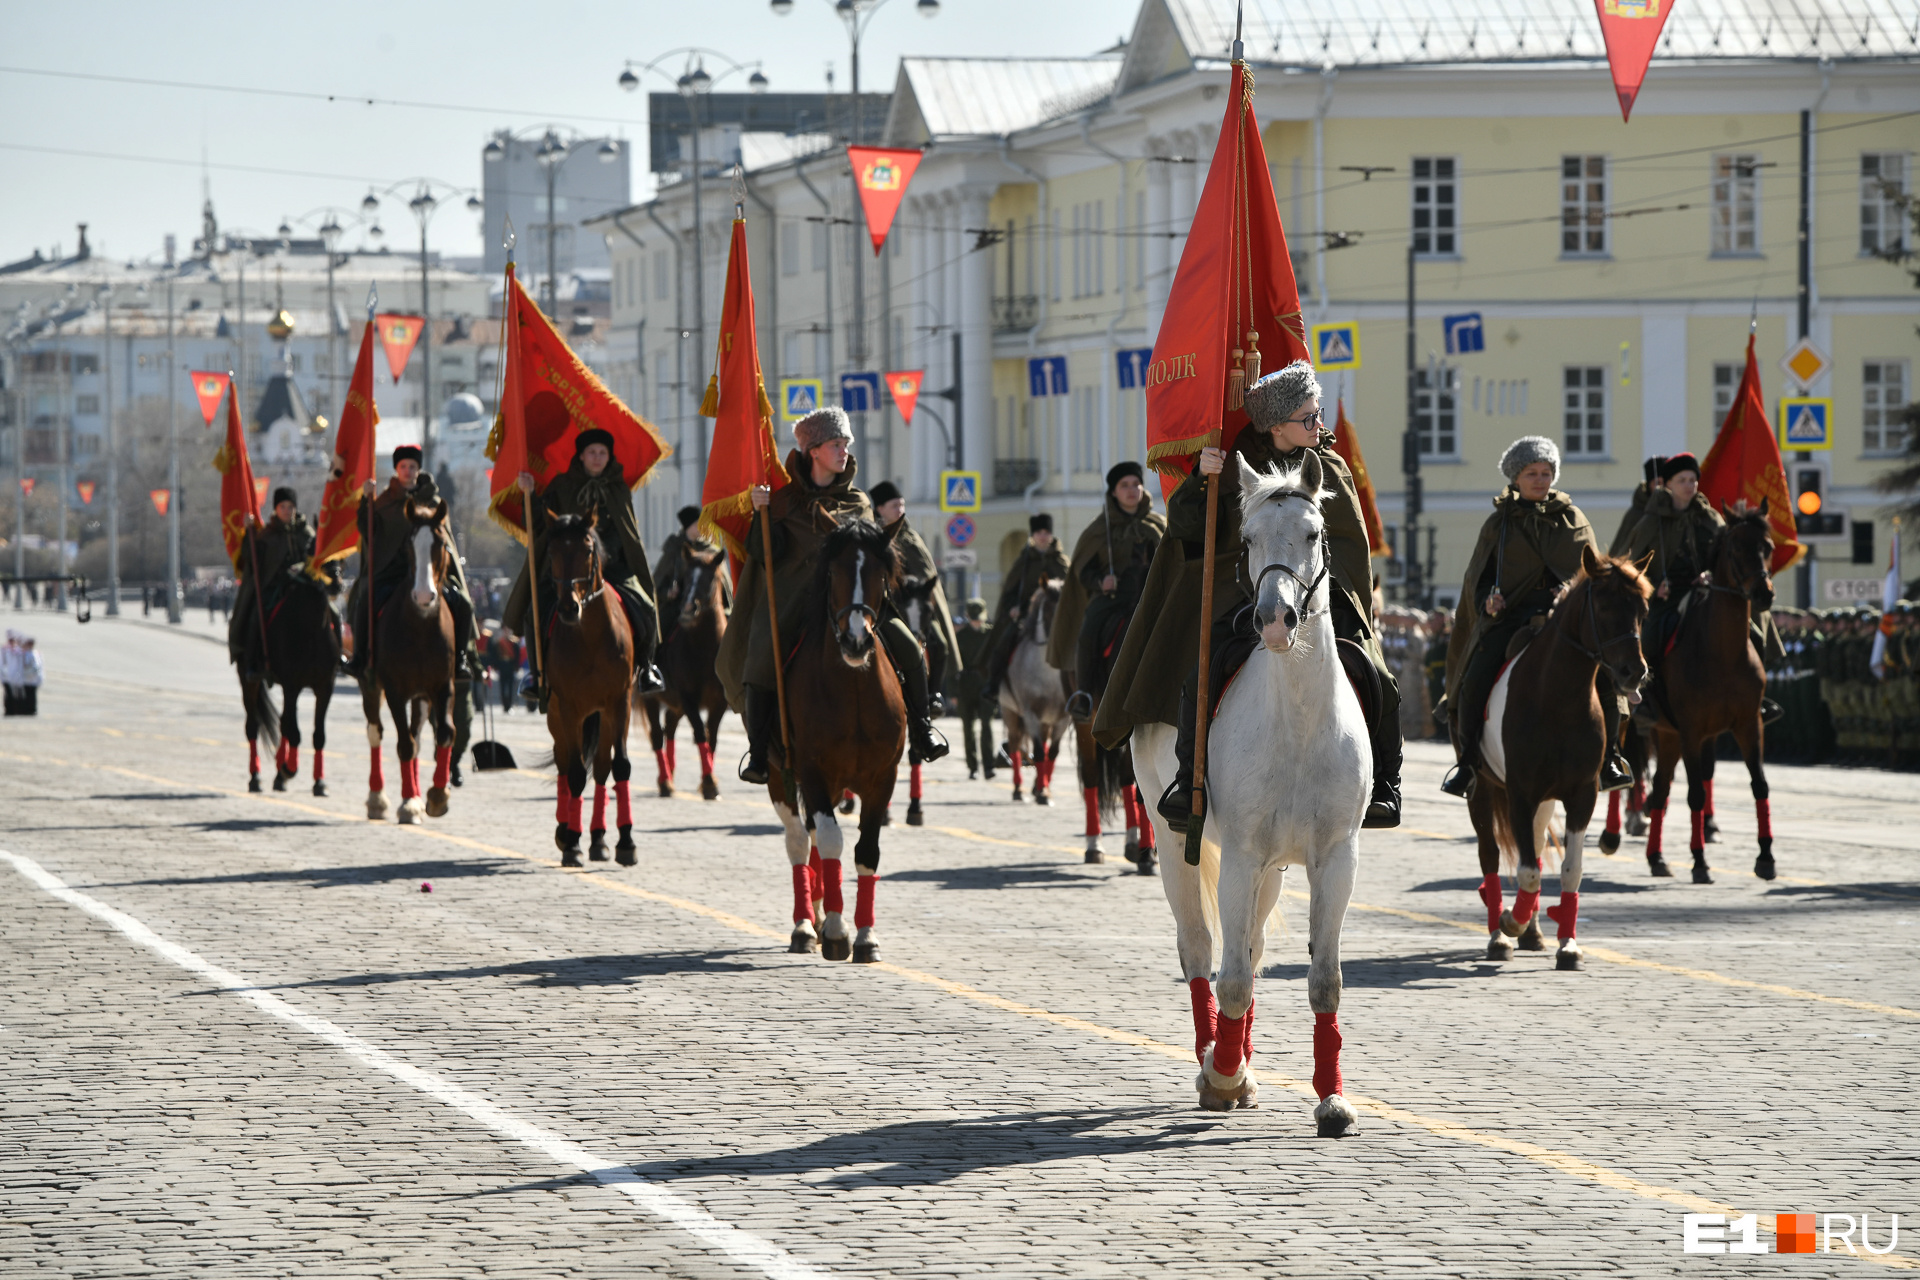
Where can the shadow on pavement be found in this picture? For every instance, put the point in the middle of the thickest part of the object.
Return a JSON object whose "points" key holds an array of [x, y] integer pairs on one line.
{"points": [[1023, 875], [335, 877], [561, 971]]}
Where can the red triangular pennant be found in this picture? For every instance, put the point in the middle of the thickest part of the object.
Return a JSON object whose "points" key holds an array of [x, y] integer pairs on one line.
{"points": [[905, 385], [210, 387], [1631, 29], [881, 174], [397, 336]]}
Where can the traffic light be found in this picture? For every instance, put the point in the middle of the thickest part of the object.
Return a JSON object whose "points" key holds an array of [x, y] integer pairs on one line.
{"points": [[1811, 519]]}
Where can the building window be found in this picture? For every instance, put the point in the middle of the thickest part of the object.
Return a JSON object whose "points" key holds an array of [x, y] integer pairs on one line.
{"points": [[1726, 385], [1883, 406], [1435, 413], [85, 446], [1584, 401], [1436, 206], [1736, 203], [86, 404], [1883, 190], [1583, 206]]}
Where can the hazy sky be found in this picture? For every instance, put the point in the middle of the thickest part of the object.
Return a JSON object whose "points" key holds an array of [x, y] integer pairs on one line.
{"points": [[125, 158]]}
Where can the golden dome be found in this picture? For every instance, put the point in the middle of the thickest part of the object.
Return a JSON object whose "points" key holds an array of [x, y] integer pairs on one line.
{"points": [[281, 326]]}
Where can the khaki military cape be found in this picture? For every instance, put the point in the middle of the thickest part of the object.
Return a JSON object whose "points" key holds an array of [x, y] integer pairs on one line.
{"points": [[802, 516], [669, 567], [387, 523], [1623, 536], [1539, 537], [1163, 644], [1135, 537], [1681, 540], [917, 562], [575, 493], [279, 547], [1030, 568]]}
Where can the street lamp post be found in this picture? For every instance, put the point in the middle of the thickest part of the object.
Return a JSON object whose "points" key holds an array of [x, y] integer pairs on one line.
{"points": [[330, 241], [113, 451], [174, 602]]}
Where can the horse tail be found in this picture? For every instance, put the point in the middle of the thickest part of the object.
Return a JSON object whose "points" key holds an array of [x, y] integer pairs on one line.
{"points": [[1114, 776], [590, 739], [541, 760], [266, 716], [1545, 851]]}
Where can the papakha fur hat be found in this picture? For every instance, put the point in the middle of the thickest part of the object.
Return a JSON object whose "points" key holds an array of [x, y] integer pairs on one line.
{"points": [[821, 426], [1279, 395], [1526, 451]]}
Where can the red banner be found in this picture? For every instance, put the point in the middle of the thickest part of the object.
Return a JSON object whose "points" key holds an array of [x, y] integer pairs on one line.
{"points": [[398, 334], [881, 174], [352, 463], [1346, 443], [210, 387], [1744, 466], [26, 486], [548, 398], [905, 385], [85, 489], [1631, 29], [162, 499], [1225, 259], [239, 495], [743, 453]]}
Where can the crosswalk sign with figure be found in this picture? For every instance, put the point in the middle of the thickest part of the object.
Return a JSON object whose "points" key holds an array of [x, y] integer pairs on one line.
{"points": [[1806, 423], [799, 397], [1336, 346], [959, 490]]}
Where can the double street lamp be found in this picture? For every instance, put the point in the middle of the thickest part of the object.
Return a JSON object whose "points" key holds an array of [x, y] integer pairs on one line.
{"points": [[555, 147]]}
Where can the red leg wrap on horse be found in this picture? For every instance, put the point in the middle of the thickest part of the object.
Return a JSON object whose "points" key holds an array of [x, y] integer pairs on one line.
{"points": [[1765, 810], [377, 776], [1201, 992], [1229, 1044], [1326, 1054], [1566, 915], [1613, 813], [1011, 755], [1491, 895], [409, 779], [706, 760], [830, 877], [1709, 809], [1093, 811], [673, 759], [560, 802], [818, 880], [913, 783], [623, 803], [599, 806], [442, 765], [253, 758], [1146, 824], [1637, 798], [863, 901], [802, 893], [319, 764], [1655, 819], [1246, 1032], [665, 770], [1699, 840], [293, 759], [1524, 904]]}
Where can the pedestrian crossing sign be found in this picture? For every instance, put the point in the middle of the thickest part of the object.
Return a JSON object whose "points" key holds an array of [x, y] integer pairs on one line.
{"points": [[959, 490], [1336, 346], [800, 397], [1806, 423]]}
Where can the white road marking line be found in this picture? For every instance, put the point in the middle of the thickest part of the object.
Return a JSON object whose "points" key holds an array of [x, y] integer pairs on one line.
{"points": [[741, 1246]]}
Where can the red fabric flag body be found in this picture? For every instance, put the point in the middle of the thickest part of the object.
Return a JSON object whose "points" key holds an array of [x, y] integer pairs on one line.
{"points": [[1631, 29], [353, 462], [1346, 443], [1186, 383], [743, 453], [211, 388], [398, 334], [547, 398], [881, 174], [1744, 466], [239, 496], [905, 386]]}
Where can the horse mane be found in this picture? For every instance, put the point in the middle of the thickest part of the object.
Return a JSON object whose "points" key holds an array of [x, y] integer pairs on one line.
{"points": [[572, 528], [1049, 589], [1614, 572], [855, 532]]}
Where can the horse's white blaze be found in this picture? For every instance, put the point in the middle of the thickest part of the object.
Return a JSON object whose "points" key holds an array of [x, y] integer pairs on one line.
{"points": [[424, 593], [856, 620]]}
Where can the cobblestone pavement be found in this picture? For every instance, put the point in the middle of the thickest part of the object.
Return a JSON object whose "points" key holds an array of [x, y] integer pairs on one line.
{"points": [[285, 1058]]}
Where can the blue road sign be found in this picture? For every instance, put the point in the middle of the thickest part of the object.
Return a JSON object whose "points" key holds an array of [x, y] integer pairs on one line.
{"points": [[799, 397], [959, 490], [959, 531], [1047, 376], [1464, 333], [1133, 363], [860, 392]]}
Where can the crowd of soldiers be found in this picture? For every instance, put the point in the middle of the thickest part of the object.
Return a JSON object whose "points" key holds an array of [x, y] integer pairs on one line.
{"points": [[1837, 709]]}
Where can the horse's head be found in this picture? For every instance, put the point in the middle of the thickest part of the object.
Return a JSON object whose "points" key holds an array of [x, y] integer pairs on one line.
{"points": [[429, 552], [1743, 554], [1615, 592], [702, 589], [573, 562], [1286, 535], [857, 568], [1042, 605], [915, 600]]}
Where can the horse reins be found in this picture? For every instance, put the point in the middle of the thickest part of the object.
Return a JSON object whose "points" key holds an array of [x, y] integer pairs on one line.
{"points": [[1307, 599], [1593, 622]]}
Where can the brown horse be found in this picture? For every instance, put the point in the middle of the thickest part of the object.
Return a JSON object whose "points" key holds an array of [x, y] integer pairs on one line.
{"points": [[1710, 682], [849, 723], [303, 652], [412, 666], [1106, 774], [589, 672], [1545, 739], [686, 661]]}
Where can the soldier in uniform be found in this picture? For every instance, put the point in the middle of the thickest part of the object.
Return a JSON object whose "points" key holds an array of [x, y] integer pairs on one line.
{"points": [[384, 527], [669, 571], [1436, 669], [1637, 507], [976, 712], [1041, 560], [821, 494], [276, 549], [917, 565], [1103, 584]]}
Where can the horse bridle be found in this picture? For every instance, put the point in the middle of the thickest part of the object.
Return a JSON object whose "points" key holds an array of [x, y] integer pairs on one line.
{"points": [[1307, 599], [1600, 646], [593, 576]]}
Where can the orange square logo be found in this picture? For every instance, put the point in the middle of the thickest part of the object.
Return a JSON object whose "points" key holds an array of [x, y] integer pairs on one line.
{"points": [[1794, 1232]]}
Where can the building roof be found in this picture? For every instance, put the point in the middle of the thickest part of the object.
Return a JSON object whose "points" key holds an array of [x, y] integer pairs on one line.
{"points": [[992, 97]]}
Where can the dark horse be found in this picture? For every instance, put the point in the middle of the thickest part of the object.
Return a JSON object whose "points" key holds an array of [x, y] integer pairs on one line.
{"points": [[303, 652], [589, 674], [412, 666], [686, 661], [1545, 738], [1106, 774], [1710, 682], [849, 723], [913, 598]]}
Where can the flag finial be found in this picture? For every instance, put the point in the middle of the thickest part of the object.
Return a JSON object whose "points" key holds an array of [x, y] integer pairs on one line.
{"points": [[507, 242], [739, 192], [373, 298], [1239, 25]]}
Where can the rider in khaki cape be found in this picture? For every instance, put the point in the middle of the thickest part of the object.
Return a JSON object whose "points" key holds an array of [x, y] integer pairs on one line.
{"points": [[282, 544], [802, 513], [1102, 591], [917, 564], [1041, 560], [669, 570], [384, 519], [1146, 685]]}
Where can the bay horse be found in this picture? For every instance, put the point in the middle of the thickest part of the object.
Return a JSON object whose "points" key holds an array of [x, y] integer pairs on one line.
{"points": [[1289, 771], [590, 677], [412, 667], [686, 660], [1033, 698], [1106, 773], [1710, 681], [303, 652], [1545, 740], [849, 721]]}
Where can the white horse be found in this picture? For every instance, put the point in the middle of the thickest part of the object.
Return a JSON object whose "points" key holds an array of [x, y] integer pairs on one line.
{"points": [[1289, 771], [1033, 699]]}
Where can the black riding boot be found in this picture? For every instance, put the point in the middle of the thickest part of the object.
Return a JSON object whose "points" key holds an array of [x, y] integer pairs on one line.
{"points": [[1615, 773], [1389, 751], [927, 742], [763, 709], [1459, 779], [1176, 802]]}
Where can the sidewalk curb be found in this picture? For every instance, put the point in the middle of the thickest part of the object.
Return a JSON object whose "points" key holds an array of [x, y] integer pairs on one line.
{"points": [[167, 627]]}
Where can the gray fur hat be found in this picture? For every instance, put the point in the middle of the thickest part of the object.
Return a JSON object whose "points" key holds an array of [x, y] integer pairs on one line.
{"points": [[821, 426], [1526, 451], [1279, 395]]}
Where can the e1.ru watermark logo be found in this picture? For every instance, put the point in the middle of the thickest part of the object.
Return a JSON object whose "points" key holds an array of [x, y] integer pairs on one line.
{"points": [[1792, 1232]]}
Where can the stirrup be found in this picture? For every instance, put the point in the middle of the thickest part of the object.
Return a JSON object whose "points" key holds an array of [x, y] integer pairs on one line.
{"points": [[748, 774], [1176, 806], [1614, 776], [1458, 782], [1383, 810], [649, 680], [1080, 706], [933, 744], [1770, 711]]}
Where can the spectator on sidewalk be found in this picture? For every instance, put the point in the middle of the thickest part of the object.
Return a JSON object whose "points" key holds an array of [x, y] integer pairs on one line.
{"points": [[22, 674], [10, 673]]}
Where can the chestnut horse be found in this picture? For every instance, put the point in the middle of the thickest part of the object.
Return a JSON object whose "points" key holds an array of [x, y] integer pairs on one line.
{"points": [[849, 723], [1545, 739], [589, 672], [1710, 682], [412, 666], [303, 652], [686, 661]]}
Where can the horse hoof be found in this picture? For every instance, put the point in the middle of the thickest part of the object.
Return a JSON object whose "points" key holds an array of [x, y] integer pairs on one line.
{"points": [[597, 851], [411, 811], [915, 817], [436, 802], [1499, 947], [1636, 825], [253, 783], [1510, 926], [1041, 797], [566, 839], [1096, 856], [801, 942], [571, 858], [626, 853], [1711, 830], [319, 788], [1657, 866], [836, 948], [866, 953], [1700, 875], [279, 782], [709, 789], [1227, 1097], [1148, 865], [1609, 841], [377, 806], [1568, 960], [1530, 938], [1763, 866], [1017, 796], [1335, 1117], [666, 790]]}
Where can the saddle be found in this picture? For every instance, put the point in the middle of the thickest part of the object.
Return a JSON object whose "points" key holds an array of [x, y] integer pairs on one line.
{"points": [[1231, 655]]}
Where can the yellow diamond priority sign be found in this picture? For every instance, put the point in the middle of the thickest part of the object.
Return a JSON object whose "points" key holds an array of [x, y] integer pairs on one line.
{"points": [[1804, 362]]}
